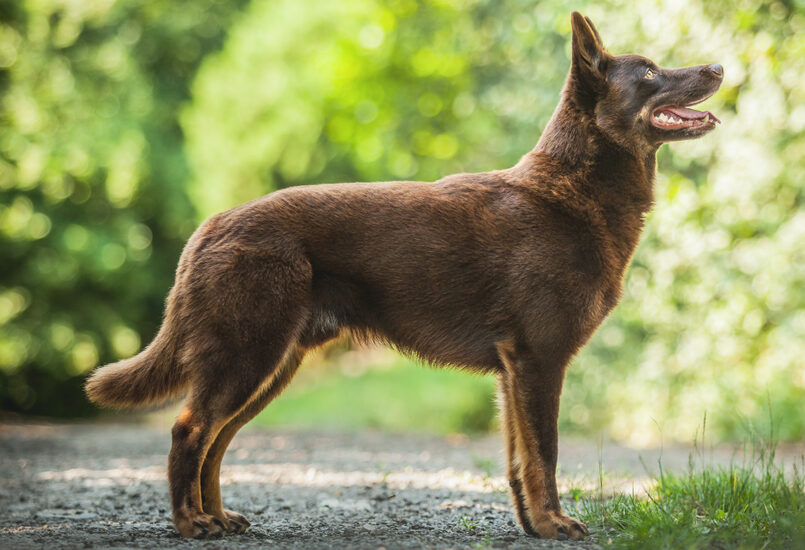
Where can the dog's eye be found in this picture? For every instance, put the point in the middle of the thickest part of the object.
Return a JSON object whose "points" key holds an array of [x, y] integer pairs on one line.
{"points": [[649, 74]]}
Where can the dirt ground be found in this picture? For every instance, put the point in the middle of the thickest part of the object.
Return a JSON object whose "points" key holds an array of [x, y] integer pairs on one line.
{"points": [[104, 486]]}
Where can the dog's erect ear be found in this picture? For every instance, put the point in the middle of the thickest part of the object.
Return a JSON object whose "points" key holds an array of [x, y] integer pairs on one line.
{"points": [[595, 31], [589, 59]]}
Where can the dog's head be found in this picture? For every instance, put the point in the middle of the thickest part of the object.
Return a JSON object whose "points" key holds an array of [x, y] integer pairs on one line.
{"points": [[632, 100]]}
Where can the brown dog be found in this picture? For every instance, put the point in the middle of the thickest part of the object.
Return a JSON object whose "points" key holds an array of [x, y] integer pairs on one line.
{"points": [[505, 272]]}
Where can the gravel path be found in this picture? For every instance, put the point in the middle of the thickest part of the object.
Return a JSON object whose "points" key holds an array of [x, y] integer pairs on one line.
{"points": [[103, 486]]}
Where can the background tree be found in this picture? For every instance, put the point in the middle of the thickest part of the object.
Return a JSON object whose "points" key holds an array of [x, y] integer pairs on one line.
{"points": [[93, 211]]}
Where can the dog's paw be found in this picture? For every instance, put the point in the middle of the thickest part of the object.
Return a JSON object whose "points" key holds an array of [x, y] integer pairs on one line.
{"points": [[199, 526], [555, 525], [237, 523]]}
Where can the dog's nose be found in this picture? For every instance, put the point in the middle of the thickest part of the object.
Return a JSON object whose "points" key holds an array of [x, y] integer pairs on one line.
{"points": [[717, 70]]}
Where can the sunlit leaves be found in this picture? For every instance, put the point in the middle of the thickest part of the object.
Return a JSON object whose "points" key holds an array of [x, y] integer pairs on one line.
{"points": [[91, 184]]}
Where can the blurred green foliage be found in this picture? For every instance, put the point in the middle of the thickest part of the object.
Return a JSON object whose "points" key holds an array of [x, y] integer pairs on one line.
{"points": [[126, 123], [381, 390], [93, 211]]}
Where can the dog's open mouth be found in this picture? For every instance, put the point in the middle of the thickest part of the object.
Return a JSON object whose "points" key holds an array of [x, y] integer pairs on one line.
{"points": [[672, 117]]}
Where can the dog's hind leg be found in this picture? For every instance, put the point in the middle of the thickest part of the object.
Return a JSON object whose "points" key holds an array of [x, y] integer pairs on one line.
{"points": [[204, 417], [244, 316], [312, 336], [210, 472], [513, 441]]}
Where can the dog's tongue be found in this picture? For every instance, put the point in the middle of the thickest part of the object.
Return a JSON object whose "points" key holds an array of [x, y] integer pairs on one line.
{"points": [[690, 114]]}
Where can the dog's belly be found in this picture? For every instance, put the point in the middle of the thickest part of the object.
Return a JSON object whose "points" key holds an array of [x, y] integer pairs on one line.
{"points": [[451, 329]]}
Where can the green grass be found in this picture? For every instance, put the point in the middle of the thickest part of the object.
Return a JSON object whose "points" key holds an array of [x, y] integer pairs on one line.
{"points": [[467, 523], [754, 505], [402, 397]]}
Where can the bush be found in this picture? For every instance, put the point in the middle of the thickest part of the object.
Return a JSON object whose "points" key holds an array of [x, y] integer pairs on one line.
{"points": [[93, 211]]}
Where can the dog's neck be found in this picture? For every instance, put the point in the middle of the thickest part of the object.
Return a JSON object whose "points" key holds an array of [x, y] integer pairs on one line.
{"points": [[604, 182], [573, 137], [567, 138], [616, 176]]}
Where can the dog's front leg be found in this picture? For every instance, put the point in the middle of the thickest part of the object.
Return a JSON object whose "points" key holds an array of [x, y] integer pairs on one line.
{"points": [[531, 399], [512, 439]]}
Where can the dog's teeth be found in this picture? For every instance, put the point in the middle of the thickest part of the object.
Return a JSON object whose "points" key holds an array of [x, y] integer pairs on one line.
{"points": [[662, 117]]}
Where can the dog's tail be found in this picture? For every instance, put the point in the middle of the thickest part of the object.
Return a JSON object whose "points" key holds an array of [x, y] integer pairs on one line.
{"points": [[150, 377]]}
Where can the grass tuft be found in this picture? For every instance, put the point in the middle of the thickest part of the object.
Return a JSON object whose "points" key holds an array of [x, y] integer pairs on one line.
{"points": [[467, 523], [754, 505]]}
